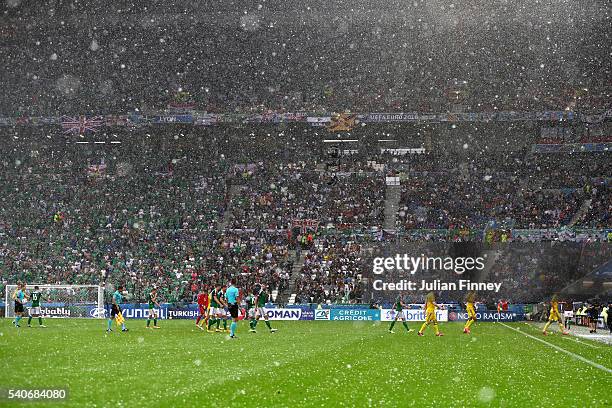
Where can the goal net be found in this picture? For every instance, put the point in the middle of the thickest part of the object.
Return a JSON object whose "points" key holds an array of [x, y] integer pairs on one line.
{"points": [[61, 300]]}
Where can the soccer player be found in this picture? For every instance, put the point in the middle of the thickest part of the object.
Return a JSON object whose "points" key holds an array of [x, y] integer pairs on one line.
{"points": [[152, 300], [35, 309], [202, 308], [430, 315], [19, 296], [399, 306], [116, 311], [554, 316], [261, 298], [214, 310], [250, 306], [232, 295], [499, 309], [471, 311]]}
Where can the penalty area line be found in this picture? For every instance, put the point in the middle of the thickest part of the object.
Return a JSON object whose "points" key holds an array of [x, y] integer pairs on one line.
{"points": [[569, 353]]}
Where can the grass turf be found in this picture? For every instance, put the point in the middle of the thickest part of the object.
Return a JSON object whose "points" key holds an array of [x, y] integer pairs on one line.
{"points": [[304, 364]]}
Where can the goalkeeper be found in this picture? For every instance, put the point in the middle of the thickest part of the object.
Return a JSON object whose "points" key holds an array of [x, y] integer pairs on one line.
{"points": [[116, 311]]}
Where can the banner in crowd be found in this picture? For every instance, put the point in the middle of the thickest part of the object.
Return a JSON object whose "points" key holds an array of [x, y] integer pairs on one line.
{"points": [[116, 120], [597, 118], [556, 134], [334, 122], [39, 121], [505, 116], [305, 224], [391, 117], [275, 117], [559, 234], [412, 315], [594, 134], [318, 121], [403, 151], [161, 119], [205, 119], [571, 148], [139, 119]]}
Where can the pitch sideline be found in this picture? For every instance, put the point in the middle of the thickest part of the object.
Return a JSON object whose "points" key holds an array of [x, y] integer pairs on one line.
{"points": [[573, 355]]}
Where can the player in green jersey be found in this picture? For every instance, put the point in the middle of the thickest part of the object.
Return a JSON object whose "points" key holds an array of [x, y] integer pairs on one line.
{"points": [[215, 307], [250, 307], [398, 307], [152, 300], [36, 297], [261, 298]]}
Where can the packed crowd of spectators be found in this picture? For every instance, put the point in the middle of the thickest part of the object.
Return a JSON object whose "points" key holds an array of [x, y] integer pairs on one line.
{"points": [[600, 208], [275, 197], [517, 189], [332, 272], [178, 262], [476, 203], [530, 271], [179, 208]]}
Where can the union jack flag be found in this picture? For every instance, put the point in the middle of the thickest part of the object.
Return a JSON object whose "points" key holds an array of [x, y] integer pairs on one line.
{"points": [[81, 124]]}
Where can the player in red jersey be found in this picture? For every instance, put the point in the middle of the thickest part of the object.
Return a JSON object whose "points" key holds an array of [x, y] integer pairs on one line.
{"points": [[202, 308]]}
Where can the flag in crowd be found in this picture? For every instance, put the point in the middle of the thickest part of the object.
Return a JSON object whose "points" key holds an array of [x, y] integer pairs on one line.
{"points": [[342, 122], [81, 124]]}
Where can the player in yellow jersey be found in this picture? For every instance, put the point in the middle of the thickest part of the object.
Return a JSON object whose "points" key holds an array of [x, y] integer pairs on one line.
{"points": [[554, 316], [430, 315], [471, 311]]}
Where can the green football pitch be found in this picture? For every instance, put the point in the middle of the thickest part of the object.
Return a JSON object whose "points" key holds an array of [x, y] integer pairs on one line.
{"points": [[350, 364]]}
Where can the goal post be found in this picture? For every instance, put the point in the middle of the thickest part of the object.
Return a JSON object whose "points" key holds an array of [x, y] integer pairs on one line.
{"points": [[61, 300]]}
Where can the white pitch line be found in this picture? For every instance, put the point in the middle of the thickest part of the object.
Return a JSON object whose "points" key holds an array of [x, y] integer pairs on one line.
{"points": [[581, 342], [570, 338], [569, 353]]}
